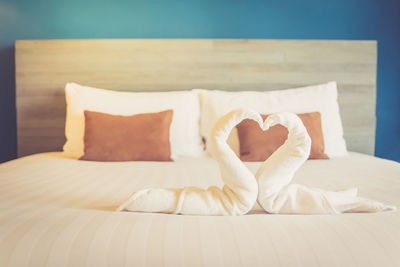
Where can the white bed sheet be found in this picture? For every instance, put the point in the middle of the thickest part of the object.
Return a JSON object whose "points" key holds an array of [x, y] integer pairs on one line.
{"points": [[56, 211]]}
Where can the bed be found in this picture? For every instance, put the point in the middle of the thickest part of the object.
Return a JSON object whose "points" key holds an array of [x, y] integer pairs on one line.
{"points": [[59, 211]]}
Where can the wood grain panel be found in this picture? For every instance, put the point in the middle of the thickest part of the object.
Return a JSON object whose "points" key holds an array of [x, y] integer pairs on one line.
{"points": [[43, 67]]}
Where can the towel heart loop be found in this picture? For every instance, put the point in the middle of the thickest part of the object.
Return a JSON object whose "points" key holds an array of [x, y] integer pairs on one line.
{"points": [[271, 186]]}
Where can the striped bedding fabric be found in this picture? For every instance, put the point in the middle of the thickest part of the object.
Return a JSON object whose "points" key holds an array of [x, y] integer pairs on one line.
{"points": [[56, 211]]}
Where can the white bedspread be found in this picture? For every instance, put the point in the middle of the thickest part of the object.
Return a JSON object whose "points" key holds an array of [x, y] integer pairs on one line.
{"points": [[56, 211]]}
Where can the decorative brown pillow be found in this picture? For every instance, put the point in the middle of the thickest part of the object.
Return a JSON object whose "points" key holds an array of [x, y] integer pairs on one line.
{"points": [[141, 137], [258, 145]]}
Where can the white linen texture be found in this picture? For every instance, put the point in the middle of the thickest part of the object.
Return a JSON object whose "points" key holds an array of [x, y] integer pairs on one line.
{"points": [[271, 186]]}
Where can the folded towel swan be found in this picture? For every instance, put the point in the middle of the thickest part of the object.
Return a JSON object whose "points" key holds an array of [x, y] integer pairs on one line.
{"points": [[276, 194], [270, 186], [237, 197]]}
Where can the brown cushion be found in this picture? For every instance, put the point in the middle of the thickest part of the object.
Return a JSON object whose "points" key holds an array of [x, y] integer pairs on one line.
{"points": [[258, 145], [141, 137]]}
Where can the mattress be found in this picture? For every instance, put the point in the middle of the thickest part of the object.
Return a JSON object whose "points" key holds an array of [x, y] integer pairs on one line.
{"points": [[56, 211]]}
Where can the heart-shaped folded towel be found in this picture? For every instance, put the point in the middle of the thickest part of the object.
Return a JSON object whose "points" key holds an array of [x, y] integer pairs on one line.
{"points": [[270, 187]]}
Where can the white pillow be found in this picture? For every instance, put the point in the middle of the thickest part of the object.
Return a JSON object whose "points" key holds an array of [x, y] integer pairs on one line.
{"points": [[322, 98], [184, 131]]}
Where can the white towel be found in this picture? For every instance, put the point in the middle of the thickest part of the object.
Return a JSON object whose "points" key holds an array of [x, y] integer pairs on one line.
{"points": [[275, 193], [237, 197]]}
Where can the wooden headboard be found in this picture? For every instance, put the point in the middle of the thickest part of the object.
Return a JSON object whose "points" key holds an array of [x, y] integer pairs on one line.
{"points": [[43, 67]]}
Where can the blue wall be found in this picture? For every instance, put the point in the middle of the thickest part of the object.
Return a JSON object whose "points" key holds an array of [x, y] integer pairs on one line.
{"points": [[279, 19]]}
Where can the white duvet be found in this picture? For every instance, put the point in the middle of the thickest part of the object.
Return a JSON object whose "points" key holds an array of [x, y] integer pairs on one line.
{"points": [[57, 211]]}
